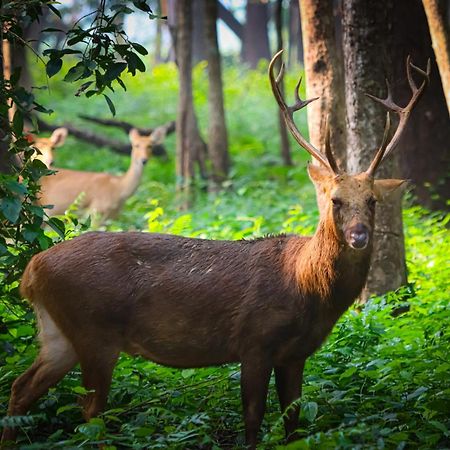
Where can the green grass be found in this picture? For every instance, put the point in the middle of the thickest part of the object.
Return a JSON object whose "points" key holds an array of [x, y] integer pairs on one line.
{"points": [[379, 381]]}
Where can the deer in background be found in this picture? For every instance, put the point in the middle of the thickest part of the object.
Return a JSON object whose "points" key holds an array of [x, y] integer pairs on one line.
{"points": [[267, 304], [101, 194], [44, 147]]}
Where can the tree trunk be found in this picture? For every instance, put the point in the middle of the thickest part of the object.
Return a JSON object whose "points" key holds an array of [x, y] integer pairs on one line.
{"points": [[284, 141], [199, 51], [424, 149], [324, 76], [437, 15], [217, 133], [256, 39], [190, 146], [366, 60], [5, 164], [295, 34], [158, 35]]}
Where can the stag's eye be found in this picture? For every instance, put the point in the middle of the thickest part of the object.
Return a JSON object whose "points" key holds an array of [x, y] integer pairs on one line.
{"points": [[337, 202]]}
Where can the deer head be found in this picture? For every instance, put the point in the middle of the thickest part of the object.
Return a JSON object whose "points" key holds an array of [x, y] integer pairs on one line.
{"points": [[347, 202], [142, 145], [45, 146]]}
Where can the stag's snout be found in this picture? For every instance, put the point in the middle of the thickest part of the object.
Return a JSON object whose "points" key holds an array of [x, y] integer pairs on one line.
{"points": [[357, 236]]}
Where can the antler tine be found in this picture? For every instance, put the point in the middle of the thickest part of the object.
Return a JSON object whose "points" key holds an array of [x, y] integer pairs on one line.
{"points": [[403, 113], [288, 111], [380, 153], [328, 152]]}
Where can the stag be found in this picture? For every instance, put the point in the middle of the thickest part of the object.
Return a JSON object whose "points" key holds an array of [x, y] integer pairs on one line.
{"points": [[267, 304]]}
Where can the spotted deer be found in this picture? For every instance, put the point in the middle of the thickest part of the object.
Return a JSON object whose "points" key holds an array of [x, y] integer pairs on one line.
{"points": [[267, 304]]}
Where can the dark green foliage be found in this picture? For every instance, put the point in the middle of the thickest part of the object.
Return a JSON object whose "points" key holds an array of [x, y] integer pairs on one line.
{"points": [[379, 382]]}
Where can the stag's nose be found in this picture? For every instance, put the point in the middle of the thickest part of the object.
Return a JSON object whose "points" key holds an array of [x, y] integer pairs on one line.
{"points": [[358, 236], [144, 161]]}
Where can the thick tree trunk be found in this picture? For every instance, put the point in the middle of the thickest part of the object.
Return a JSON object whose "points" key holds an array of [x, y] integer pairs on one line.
{"points": [[256, 39], [191, 148], [324, 76], [217, 132], [438, 21], [284, 141], [366, 60], [425, 145]]}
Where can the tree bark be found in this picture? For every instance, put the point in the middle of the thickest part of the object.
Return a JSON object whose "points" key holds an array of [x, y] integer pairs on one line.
{"points": [[295, 34], [5, 161], [217, 132], [256, 39], [366, 60], [324, 76], [424, 149], [437, 15], [199, 51], [190, 146], [284, 141]]}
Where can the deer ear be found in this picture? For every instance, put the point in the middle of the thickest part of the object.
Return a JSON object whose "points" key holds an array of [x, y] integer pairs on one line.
{"points": [[384, 188], [58, 137], [318, 174], [134, 134]]}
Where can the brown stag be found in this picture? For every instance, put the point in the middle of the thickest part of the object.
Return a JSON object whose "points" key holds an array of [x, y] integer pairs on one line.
{"points": [[267, 304]]}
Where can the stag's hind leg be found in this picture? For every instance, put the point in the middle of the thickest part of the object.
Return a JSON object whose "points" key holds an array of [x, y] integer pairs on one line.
{"points": [[56, 357], [97, 367]]}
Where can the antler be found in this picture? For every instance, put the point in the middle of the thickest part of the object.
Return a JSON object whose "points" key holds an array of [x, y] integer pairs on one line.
{"points": [[386, 148], [288, 113]]}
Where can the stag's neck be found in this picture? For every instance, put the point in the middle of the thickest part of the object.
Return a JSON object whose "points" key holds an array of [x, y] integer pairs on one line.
{"points": [[329, 271], [131, 179]]}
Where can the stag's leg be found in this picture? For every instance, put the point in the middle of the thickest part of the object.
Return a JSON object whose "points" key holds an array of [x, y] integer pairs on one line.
{"points": [[288, 380], [96, 369], [255, 376], [57, 356]]}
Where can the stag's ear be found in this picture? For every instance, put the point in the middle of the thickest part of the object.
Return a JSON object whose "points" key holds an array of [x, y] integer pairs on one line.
{"points": [[318, 174], [384, 188], [58, 137]]}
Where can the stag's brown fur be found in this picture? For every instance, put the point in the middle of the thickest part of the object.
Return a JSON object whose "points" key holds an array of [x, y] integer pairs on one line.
{"points": [[182, 302]]}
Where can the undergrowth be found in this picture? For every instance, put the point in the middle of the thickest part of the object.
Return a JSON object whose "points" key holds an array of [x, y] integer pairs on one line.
{"points": [[380, 381]]}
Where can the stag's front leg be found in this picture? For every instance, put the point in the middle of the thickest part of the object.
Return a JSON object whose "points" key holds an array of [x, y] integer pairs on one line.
{"points": [[288, 380], [255, 376]]}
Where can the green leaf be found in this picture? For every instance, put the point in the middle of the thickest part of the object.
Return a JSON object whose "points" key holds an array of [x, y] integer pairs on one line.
{"points": [[57, 225], [10, 208], [348, 373], [139, 48], [17, 123], [15, 187], [142, 5], [310, 411], [134, 63], [75, 73], [53, 66], [110, 105], [113, 71]]}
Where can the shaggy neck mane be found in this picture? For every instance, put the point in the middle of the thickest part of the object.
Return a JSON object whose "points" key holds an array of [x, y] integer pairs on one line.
{"points": [[316, 266]]}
